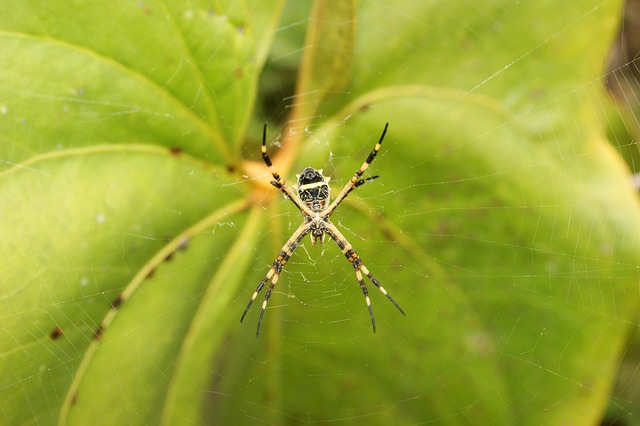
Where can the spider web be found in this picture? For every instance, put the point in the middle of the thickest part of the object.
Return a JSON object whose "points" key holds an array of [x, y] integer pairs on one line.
{"points": [[506, 237]]}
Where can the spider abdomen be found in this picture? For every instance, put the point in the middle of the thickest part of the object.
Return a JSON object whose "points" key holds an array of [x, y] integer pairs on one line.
{"points": [[313, 188]]}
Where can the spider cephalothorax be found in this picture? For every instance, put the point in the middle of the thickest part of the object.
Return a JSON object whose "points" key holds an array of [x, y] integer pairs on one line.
{"points": [[311, 197]]}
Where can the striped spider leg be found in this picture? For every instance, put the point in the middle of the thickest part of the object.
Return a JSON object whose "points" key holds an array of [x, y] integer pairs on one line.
{"points": [[311, 197]]}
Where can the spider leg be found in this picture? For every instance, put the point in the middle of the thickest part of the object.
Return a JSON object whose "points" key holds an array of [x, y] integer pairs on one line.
{"points": [[359, 267], [357, 180], [357, 184], [274, 272], [278, 181]]}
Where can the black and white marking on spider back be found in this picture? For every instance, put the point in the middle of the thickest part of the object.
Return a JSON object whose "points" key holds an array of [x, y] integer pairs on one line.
{"points": [[313, 190], [311, 197]]}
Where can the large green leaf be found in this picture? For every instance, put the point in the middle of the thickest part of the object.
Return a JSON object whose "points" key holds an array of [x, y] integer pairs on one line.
{"points": [[134, 232]]}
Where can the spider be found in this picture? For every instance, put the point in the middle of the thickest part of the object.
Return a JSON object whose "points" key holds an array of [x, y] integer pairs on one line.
{"points": [[311, 197]]}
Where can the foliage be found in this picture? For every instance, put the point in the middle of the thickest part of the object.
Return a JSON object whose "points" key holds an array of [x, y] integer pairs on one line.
{"points": [[137, 217]]}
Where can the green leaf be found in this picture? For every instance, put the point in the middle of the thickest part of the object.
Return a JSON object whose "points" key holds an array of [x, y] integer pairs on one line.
{"points": [[135, 231], [163, 73], [118, 124], [328, 61]]}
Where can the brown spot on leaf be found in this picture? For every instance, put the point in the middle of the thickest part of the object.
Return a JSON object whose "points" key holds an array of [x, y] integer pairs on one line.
{"points": [[116, 302], [56, 333], [97, 334]]}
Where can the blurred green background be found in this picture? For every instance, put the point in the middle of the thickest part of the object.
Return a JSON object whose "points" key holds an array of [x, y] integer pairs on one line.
{"points": [[137, 217]]}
